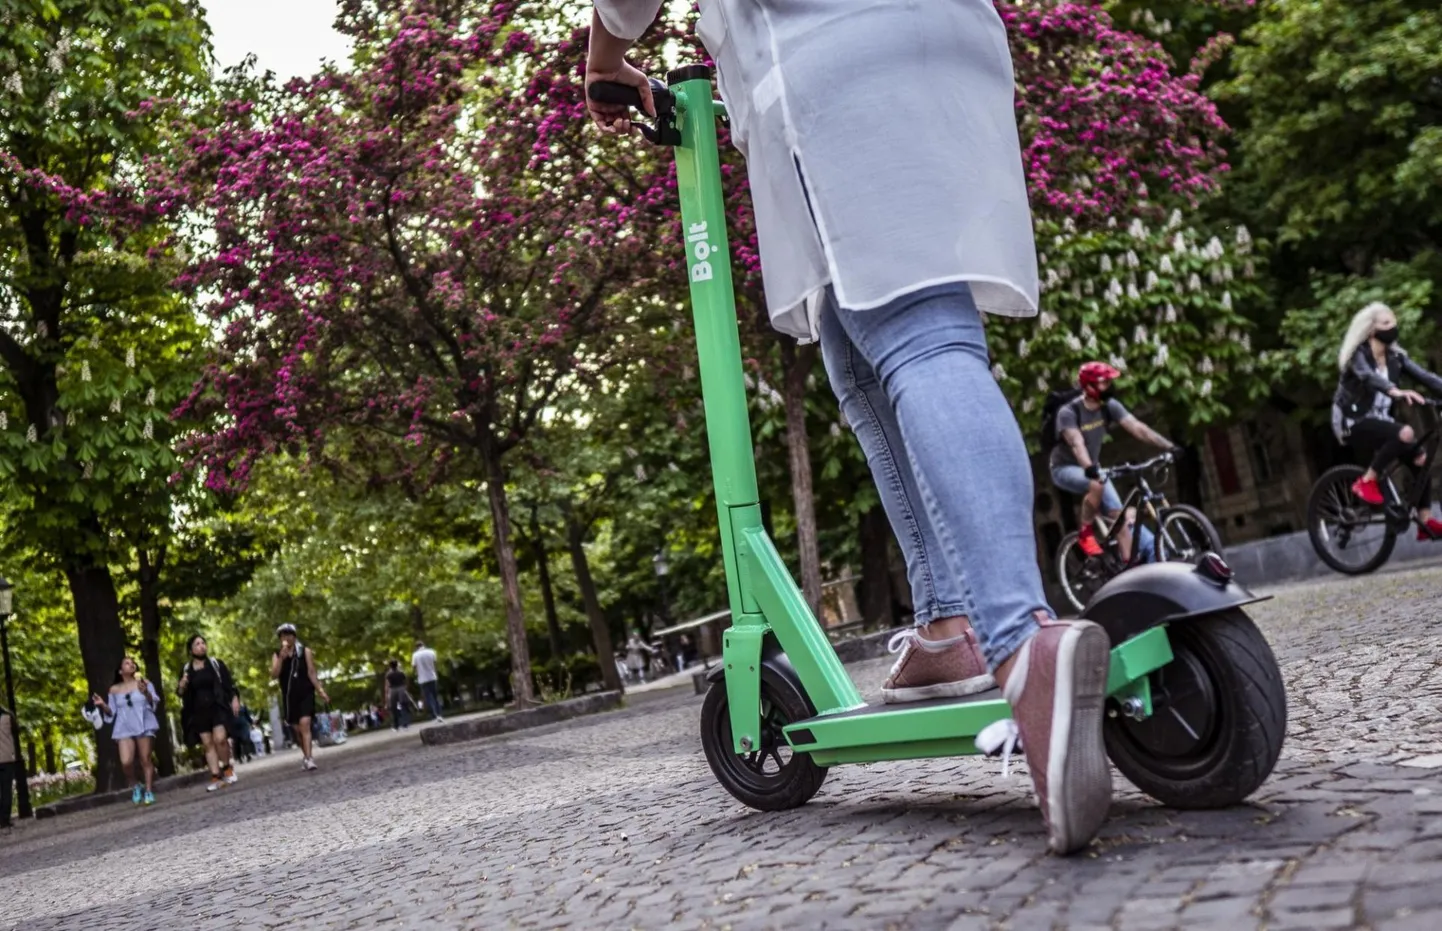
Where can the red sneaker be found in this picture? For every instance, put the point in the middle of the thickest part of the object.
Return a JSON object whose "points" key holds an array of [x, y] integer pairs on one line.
{"points": [[1086, 538], [1432, 530], [1368, 490]]}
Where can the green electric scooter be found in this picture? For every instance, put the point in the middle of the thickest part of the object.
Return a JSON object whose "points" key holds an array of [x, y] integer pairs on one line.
{"points": [[1196, 710]]}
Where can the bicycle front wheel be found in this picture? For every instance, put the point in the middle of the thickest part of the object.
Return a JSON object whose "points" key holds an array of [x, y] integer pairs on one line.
{"points": [[1080, 575], [1184, 534], [1348, 534]]}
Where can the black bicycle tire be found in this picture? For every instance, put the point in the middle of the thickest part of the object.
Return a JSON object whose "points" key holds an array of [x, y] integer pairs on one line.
{"points": [[1214, 539], [1314, 504]]}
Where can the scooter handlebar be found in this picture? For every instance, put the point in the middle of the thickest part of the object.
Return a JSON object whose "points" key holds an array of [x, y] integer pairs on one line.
{"points": [[611, 92]]}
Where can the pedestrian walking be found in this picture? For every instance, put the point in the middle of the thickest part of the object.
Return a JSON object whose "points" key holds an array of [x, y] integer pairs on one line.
{"points": [[246, 746], [423, 661], [294, 666], [130, 706], [397, 699], [208, 705], [9, 772], [636, 653]]}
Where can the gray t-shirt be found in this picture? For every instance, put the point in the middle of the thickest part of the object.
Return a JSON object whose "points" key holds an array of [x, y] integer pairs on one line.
{"points": [[424, 661], [1093, 424]]}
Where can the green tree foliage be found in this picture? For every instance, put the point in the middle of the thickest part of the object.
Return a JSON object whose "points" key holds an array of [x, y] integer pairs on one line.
{"points": [[93, 344]]}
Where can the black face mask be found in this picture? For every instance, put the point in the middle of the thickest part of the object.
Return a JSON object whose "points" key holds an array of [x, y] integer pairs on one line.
{"points": [[1108, 394], [1385, 337]]}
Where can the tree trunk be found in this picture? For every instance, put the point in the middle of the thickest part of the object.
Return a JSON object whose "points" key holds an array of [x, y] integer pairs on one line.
{"points": [[600, 630], [150, 621], [875, 572], [510, 580], [418, 622], [797, 362], [548, 594], [49, 746], [102, 644]]}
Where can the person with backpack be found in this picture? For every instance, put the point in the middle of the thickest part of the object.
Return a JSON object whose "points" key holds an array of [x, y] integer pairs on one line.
{"points": [[208, 705], [294, 666], [1074, 424]]}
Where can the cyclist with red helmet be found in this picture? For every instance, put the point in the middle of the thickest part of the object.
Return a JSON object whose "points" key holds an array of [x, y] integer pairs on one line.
{"points": [[1081, 425]]}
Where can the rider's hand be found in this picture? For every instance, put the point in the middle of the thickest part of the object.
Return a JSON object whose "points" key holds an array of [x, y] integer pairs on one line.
{"points": [[1094, 472], [1411, 397], [613, 117]]}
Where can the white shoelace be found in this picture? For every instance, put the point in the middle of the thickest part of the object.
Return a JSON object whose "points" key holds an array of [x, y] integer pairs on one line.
{"points": [[1000, 738], [897, 644]]}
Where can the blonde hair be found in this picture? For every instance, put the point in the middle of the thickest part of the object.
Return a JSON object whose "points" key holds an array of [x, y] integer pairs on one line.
{"points": [[1359, 331]]}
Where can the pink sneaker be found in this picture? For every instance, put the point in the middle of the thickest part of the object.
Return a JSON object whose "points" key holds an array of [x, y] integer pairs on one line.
{"points": [[946, 669], [1057, 690]]}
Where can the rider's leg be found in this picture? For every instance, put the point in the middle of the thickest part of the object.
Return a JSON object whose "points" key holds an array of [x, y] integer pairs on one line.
{"points": [[948, 661], [928, 350]]}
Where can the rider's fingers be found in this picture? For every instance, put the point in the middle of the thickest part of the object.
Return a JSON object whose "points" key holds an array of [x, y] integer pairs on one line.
{"points": [[648, 103]]}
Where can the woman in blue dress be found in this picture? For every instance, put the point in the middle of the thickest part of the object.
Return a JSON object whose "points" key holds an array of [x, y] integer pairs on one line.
{"points": [[130, 706]]}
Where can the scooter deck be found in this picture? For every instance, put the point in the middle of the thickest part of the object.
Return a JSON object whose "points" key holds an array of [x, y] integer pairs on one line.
{"points": [[948, 726], [899, 732]]}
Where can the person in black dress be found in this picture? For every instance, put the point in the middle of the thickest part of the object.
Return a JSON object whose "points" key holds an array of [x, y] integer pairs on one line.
{"points": [[293, 665], [209, 703]]}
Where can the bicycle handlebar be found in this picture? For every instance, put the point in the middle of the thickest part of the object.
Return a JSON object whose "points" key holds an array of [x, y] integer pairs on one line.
{"points": [[1134, 468]]}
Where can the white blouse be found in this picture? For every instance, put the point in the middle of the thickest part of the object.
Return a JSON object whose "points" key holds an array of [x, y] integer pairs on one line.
{"points": [[900, 118]]}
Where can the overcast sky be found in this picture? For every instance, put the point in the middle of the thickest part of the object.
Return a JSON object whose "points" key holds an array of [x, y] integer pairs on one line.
{"points": [[289, 37]]}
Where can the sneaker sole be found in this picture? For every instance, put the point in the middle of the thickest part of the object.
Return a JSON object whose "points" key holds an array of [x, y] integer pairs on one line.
{"points": [[973, 686], [1079, 778]]}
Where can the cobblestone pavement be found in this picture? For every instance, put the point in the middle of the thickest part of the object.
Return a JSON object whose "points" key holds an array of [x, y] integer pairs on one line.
{"points": [[615, 821]]}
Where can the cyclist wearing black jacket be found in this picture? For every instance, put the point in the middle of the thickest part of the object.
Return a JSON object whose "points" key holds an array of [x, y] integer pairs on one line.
{"points": [[1371, 365]]}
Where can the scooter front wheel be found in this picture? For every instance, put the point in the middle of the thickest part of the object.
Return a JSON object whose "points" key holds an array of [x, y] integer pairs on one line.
{"points": [[772, 777], [1219, 714]]}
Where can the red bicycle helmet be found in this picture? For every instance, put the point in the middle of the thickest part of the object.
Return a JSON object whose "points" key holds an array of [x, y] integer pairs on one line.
{"points": [[1093, 372]]}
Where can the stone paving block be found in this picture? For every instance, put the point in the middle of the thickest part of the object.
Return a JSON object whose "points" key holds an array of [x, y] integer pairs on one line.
{"points": [[1326, 918]]}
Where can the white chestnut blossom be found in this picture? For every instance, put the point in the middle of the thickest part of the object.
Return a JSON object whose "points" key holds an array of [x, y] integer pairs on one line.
{"points": [[1166, 266], [85, 371], [1152, 281]]}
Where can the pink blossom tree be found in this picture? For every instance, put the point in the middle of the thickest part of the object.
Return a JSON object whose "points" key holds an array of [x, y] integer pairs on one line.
{"points": [[409, 263]]}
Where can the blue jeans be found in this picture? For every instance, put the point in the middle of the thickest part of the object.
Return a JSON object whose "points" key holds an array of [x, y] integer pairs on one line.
{"points": [[432, 697], [1073, 478], [914, 381]]}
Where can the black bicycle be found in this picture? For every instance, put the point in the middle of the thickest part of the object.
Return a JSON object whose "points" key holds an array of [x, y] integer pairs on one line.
{"points": [[1352, 536], [1181, 533]]}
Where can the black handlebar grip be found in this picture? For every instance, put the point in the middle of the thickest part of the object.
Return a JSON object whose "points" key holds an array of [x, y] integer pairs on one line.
{"points": [[611, 92]]}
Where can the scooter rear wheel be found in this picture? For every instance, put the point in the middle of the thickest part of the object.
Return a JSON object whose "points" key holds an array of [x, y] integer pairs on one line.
{"points": [[773, 777], [1219, 717]]}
